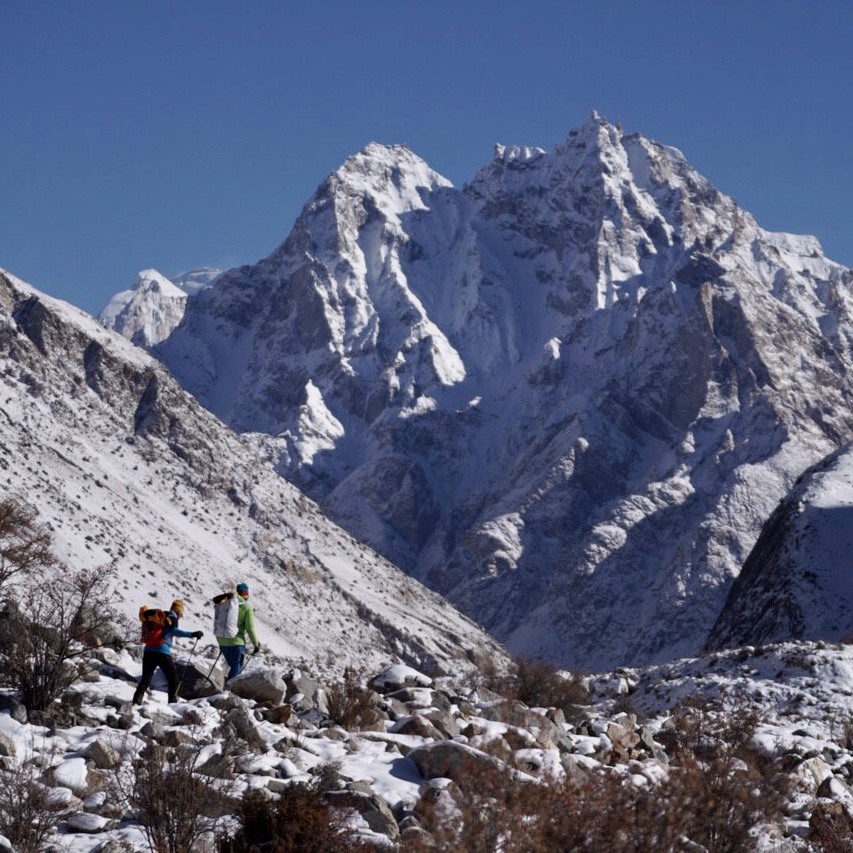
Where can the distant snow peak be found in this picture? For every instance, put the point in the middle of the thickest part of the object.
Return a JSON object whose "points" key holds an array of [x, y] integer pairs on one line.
{"points": [[518, 154], [152, 308], [196, 280]]}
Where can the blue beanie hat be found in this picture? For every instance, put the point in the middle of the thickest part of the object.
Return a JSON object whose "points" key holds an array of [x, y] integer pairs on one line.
{"points": [[242, 587]]}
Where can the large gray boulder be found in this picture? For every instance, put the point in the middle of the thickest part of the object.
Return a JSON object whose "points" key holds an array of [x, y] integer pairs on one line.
{"points": [[197, 680], [262, 685], [448, 759], [370, 806]]}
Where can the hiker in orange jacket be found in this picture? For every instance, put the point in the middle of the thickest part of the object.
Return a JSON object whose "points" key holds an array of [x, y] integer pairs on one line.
{"points": [[158, 651]]}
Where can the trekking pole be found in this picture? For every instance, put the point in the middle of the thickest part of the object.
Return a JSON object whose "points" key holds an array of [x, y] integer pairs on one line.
{"points": [[186, 667], [213, 666]]}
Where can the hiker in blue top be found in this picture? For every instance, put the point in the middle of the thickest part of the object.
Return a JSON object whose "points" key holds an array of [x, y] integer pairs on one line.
{"points": [[158, 629]]}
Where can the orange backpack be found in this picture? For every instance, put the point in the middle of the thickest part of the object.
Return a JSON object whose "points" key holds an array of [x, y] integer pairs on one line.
{"points": [[154, 624]]}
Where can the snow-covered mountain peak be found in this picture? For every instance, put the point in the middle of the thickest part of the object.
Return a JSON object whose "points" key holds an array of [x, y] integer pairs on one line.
{"points": [[518, 154], [626, 331], [154, 281], [154, 305], [196, 280], [148, 312], [388, 170]]}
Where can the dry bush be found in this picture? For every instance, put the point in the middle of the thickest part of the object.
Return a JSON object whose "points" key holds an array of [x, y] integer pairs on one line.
{"points": [[56, 619], [718, 790], [27, 815], [831, 828], [25, 547], [178, 809], [539, 684], [350, 702], [300, 821]]}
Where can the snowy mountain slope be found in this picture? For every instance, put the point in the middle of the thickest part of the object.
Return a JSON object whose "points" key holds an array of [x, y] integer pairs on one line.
{"points": [[798, 579], [149, 311], [566, 396], [128, 470]]}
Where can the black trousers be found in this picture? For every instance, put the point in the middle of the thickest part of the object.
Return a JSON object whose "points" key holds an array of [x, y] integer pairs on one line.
{"points": [[150, 661]]}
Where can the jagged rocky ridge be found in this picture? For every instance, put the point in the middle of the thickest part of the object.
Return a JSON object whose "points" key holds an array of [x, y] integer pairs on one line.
{"points": [[128, 471], [798, 580], [432, 741], [566, 396]]}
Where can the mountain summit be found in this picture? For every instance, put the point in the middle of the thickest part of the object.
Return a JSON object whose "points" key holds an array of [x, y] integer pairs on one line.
{"points": [[566, 396]]}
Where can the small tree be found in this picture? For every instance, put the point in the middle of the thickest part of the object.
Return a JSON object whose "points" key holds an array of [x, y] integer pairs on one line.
{"points": [[57, 618], [25, 547]]}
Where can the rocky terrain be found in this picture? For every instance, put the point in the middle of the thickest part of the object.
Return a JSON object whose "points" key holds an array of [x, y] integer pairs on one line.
{"points": [[566, 396], [133, 478], [425, 747]]}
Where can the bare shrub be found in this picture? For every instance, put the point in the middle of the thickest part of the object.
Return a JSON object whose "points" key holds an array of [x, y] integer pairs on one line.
{"points": [[25, 547], [831, 828], [719, 788], [538, 683], [56, 619], [300, 821], [178, 809], [350, 702], [28, 816]]}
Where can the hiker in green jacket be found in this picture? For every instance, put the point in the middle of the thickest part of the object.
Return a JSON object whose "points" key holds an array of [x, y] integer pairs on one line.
{"points": [[234, 648]]}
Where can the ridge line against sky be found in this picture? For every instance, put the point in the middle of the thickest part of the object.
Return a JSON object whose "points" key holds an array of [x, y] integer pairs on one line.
{"points": [[182, 135]]}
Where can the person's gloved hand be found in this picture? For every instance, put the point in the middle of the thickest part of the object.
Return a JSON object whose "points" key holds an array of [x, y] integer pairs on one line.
{"points": [[198, 634], [256, 649]]}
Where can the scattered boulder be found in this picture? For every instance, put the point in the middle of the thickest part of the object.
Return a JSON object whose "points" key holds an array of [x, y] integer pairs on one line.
{"points": [[197, 680], [7, 745], [241, 722], [90, 824], [72, 773], [262, 685], [17, 710], [102, 754], [370, 806], [398, 676], [419, 725], [444, 722], [448, 759]]}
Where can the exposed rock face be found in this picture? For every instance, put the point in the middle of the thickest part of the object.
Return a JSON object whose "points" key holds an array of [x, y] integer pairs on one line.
{"points": [[566, 396], [128, 471], [798, 580]]}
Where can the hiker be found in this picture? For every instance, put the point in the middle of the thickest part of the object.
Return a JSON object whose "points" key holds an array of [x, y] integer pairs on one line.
{"points": [[158, 630], [233, 647]]}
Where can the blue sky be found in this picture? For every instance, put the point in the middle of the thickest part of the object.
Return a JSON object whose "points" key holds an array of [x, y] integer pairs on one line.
{"points": [[175, 135]]}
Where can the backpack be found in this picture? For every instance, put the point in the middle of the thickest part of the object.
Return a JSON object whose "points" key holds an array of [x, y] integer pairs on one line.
{"points": [[225, 615], [154, 625]]}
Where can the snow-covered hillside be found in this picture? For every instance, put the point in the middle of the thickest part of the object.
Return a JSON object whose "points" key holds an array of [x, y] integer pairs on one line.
{"points": [[129, 471], [566, 396], [798, 580]]}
